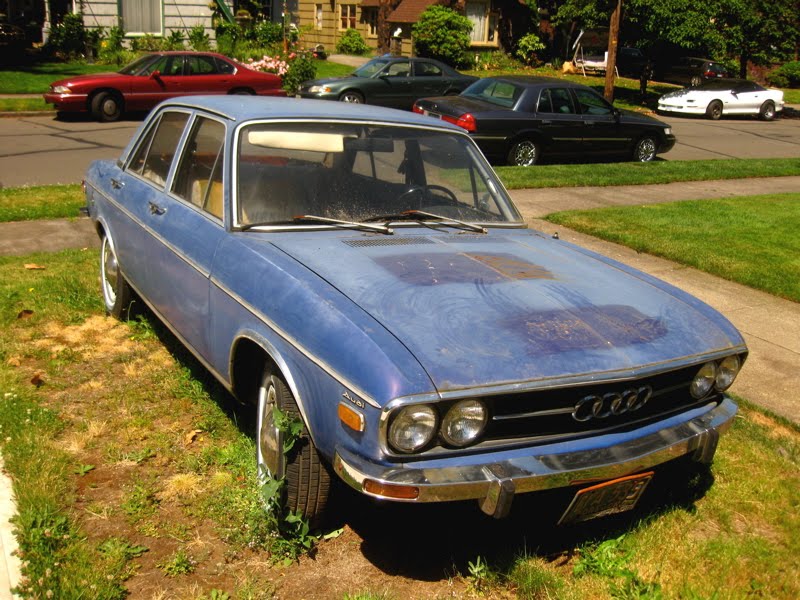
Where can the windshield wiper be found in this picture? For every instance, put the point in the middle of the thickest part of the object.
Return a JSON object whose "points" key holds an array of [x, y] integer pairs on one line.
{"points": [[324, 221], [413, 215]]}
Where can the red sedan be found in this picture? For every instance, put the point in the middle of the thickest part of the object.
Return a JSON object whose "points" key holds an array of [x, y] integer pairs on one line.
{"points": [[155, 77]]}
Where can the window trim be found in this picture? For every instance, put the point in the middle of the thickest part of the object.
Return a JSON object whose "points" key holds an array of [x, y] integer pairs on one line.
{"points": [[353, 18], [167, 185]]}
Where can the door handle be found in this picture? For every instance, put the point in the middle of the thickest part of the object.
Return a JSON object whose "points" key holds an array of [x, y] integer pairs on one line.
{"points": [[547, 122], [117, 184], [155, 209]]}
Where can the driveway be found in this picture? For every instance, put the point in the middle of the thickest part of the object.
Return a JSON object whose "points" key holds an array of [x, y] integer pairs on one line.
{"points": [[41, 150]]}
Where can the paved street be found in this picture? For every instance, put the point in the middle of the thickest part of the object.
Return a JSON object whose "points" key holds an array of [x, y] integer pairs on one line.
{"points": [[42, 150]]}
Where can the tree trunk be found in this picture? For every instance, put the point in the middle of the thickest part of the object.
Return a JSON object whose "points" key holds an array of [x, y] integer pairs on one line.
{"points": [[611, 62]]}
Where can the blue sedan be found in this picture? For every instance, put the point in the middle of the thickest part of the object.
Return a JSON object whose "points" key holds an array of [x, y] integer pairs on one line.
{"points": [[362, 272]]}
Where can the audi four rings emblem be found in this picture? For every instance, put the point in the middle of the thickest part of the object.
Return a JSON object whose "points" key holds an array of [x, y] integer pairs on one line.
{"points": [[595, 406]]}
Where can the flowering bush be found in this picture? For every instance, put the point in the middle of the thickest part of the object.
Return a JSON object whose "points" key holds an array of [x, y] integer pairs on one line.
{"points": [[269, 64], [293, 68]]}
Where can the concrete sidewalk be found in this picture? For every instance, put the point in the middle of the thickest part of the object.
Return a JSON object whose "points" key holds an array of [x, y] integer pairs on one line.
{"points": [[770, 325]]}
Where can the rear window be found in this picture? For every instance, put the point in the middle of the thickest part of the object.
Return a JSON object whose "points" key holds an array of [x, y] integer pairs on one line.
{"points": [[495, 91]]}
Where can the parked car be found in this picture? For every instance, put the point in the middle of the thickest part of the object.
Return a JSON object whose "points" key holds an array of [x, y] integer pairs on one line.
{"points": [[12, 42], [363, 271], [691, 71], [392, 81], [727, 96], [631, 62], [155, 77], [519, 120]]}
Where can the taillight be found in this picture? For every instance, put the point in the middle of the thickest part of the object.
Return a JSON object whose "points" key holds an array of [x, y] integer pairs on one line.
{"points": [[465, 121], [416, 108], [709, 74]]}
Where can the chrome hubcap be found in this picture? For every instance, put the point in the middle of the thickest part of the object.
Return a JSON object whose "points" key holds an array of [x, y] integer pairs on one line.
{"points": [[525, 154], [109, 107], [270, 438], [647, 150], [110, 273], [351, 98]]}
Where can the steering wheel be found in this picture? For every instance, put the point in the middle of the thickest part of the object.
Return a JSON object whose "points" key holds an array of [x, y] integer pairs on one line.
{"points": [[426, 190]]}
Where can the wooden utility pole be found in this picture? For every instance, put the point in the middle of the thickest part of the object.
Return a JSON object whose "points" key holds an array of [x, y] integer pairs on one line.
{"points": [[611, 63]]}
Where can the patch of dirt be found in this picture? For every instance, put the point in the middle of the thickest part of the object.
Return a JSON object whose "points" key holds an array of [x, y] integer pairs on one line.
{"points": [[774, 429]]}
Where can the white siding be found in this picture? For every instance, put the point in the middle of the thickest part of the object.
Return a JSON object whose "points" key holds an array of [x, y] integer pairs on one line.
{"points": [[177, 14]]}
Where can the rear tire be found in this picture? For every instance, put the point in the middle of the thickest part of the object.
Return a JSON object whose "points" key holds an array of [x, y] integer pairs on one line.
{"points": [[106, 107], [645, 149], [307, 479], [524, 153], [714, 110], [118, 296], [695, 81], [767, 111]]}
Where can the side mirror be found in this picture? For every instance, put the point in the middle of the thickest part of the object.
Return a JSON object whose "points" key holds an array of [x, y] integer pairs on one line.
{"points": [[155, 74]]}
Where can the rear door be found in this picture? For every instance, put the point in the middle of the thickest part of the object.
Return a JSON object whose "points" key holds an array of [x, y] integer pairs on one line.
{"points": [[202, 75], [427, 79]]}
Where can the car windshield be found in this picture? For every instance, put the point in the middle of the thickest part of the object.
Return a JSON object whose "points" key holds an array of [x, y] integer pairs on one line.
{"points": [[363, 172], [139, 65], [371, 68], [494, 91]]}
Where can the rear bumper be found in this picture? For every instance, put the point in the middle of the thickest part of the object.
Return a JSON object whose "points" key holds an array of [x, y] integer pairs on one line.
{"points": [[495, 483]]}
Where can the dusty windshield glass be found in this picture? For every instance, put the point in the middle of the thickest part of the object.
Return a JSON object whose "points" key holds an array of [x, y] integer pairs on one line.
{"points": [[360, 172]]}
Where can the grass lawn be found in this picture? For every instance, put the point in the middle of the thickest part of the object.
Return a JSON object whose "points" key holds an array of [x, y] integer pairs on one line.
{"points": [[36, 78], [751, 240], [40, 202], [24, 104], [659, 171], [134, 473]]}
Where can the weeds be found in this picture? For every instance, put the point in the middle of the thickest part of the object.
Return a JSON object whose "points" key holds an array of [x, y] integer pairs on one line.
{"points": [[180, 563]]}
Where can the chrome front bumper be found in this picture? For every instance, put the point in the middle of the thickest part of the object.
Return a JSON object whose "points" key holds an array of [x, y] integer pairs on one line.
{"points": [[494, 484]]}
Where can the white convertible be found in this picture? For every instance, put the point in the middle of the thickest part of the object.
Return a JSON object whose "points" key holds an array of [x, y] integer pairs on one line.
{"points": [[724, 96]]}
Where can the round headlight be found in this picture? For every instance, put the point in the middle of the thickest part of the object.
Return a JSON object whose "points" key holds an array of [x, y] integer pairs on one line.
{"points": [[412, 428], [727, 372], [704, 380], [464, 422]]}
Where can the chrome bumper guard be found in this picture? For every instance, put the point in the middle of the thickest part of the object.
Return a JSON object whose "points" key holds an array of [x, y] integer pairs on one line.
{"points": [[494, 484]]}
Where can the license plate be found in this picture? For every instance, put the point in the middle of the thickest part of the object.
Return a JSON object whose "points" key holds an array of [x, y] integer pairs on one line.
{"points": [[608, 498]]}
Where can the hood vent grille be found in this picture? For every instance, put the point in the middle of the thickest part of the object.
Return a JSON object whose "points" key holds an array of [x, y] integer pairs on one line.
{"points": [[472, 239], [388, 241]]}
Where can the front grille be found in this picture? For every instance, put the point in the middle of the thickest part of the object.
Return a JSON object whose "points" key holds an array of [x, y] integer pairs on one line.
{"points": [[546, 416]]}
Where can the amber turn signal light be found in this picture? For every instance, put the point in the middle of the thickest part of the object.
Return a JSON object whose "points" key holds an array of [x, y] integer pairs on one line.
{"points": [[390, 490], [351, 417]]}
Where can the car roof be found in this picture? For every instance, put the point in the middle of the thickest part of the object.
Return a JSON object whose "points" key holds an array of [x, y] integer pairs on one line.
{"points": [[534, 80], [247, 108]]}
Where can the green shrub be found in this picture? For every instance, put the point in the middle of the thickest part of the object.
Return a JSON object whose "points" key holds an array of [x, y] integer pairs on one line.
{"points": [[442, 33], [786, 76], [351, 42], [147, 43], [68, 38], [301, 68], [528, 46], [199, 39], [266, 33], [175, 40]]}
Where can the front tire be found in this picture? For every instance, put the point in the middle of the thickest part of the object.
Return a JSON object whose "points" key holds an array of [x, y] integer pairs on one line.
{"points": [[767, 111], [118, 296], [307, 479], [524, 153], [352, 97], [714, 110], [106, 107], [645, 149]]}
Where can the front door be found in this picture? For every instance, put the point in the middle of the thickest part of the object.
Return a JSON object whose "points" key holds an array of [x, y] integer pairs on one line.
{"points": [[602, 132]]}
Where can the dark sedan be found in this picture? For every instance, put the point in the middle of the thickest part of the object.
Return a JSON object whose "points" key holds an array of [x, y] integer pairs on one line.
{"points": [[155, 77], [392, 81], [518, 120]]}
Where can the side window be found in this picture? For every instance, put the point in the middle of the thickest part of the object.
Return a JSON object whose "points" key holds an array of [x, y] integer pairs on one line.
{"points": [[399, 69], [545, 103], [561, 101], [200, 65], [426, 69], [173, 66], [159, 65], [154, 155], [224, 67], [592, 104], [199, 175]]}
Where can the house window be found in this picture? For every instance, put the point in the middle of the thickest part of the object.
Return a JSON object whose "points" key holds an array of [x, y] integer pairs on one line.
{"points": [[484, 23], [347, 16], [141, 16], [318, 16], [370, 17]]}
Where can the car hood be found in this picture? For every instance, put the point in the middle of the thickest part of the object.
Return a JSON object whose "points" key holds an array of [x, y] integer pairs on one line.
{"points": [[330, 80], [508, 307], [89, 78], [630, 116]]}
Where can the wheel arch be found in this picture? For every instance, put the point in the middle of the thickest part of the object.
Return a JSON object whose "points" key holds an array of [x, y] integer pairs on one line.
{"points": [[241, 88], [250, 354], [354, 90]]}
